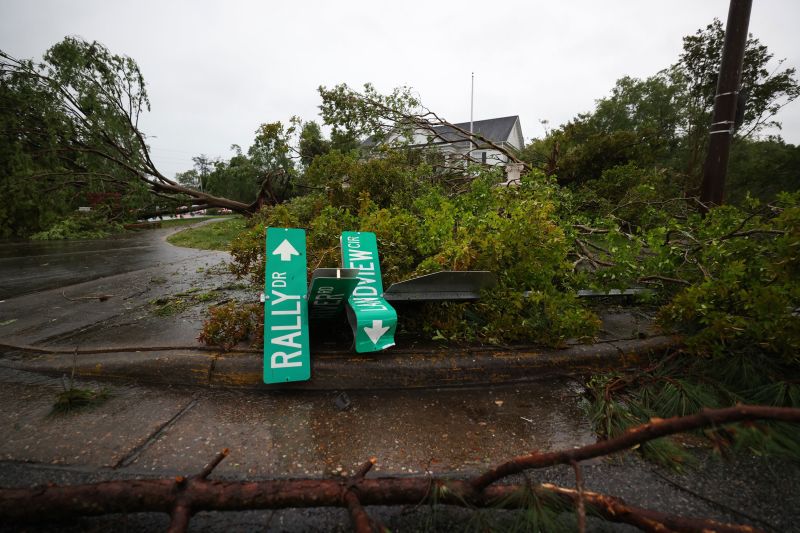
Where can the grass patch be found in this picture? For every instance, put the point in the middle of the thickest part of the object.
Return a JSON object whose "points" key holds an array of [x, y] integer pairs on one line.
{"points": [[169, 306], [77, 398], [207, 296], [184, 221], [214, 236]]}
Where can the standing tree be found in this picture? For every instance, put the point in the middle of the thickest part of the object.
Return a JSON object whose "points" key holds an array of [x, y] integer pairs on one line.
{"points": [[663, 120], [765, 89]]}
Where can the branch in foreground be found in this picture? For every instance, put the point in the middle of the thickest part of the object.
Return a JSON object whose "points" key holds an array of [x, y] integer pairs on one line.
{"points": [[183, 497], [656, 428], [159, 495]]}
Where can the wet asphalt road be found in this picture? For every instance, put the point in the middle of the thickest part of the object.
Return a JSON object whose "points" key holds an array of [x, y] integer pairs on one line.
{"points": [[48, 292], [29, 267]]}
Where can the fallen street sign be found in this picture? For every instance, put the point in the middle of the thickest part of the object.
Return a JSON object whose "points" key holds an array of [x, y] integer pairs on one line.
{"points": [[329, 291], [286, 352], [373, 320]]}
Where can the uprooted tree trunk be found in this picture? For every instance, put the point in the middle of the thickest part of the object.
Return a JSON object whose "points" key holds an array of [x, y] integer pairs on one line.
{"points": [[182, 497]]}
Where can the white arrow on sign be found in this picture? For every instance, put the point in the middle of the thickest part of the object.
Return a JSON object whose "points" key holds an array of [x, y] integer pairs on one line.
{"points": [[376, 331], [285, 250]]}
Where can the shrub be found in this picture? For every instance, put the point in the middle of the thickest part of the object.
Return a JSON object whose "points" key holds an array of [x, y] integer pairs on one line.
{"points": [[232, 323], [79, 226]]}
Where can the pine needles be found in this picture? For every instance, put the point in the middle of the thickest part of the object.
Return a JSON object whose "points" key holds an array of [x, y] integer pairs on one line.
{"points": [[683, 385]]}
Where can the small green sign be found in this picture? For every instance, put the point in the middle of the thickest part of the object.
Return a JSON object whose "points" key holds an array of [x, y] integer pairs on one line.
{"points": [[374, 321], [286, 353], [329, 291]]}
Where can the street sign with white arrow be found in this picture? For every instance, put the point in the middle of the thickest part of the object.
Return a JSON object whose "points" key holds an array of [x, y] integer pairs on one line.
{"points": [[285, 251], [286, 347], [373, 320]]}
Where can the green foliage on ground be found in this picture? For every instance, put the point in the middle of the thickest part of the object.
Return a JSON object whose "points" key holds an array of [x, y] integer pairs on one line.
{"points": [[90, 225], [210, 236], [75, 398], [231, 323], [728, 284], [512, 231], [177, 303]]}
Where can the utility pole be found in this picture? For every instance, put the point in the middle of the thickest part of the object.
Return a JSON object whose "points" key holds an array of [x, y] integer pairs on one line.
{"points": [[471, 108], [725, 102]]}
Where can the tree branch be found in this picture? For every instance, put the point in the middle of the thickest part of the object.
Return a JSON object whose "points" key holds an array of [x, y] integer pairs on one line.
{"points": [[199, 494], [639, 435]]}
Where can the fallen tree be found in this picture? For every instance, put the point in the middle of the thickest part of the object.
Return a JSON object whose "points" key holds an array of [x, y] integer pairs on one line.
{"points": [[181, 497], [73, 124]]}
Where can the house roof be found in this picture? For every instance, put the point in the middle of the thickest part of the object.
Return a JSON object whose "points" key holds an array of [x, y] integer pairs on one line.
{"points": [[493, 129]]}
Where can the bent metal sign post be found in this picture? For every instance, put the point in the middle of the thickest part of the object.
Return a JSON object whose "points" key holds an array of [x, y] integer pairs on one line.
{"points": [[287, 355], [373, 320]]}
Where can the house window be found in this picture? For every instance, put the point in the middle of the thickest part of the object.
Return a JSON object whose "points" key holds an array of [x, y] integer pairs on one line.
{"points": [[483, 157]]}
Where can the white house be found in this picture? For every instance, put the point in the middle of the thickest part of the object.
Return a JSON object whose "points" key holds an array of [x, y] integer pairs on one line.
{"points": [[505, 132]]}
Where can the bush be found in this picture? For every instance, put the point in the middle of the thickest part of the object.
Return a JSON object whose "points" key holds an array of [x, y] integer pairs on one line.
{"points": [[232, 323], [729, 281], [79, 226]]}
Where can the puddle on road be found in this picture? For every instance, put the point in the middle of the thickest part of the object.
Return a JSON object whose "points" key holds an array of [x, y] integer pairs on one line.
{"points": [[409, 432], [290, 434], [450, 430]]}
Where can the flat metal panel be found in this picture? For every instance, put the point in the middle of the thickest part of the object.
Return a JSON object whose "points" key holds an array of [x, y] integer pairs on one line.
{"points": [[441, 286]]}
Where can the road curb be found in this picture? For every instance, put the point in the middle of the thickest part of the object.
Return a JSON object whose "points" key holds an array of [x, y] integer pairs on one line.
{"points": [[408, 369]]}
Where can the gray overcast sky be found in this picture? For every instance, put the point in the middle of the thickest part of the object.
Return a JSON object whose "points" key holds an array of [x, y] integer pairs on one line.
{"points": [[216, 70]]}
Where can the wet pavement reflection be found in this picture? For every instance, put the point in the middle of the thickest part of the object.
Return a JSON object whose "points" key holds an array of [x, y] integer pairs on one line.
{"points": [[409, 432], [28, 267]]}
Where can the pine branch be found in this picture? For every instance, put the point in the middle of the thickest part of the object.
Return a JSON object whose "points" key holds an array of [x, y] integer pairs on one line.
{"points": [[656, 428]]}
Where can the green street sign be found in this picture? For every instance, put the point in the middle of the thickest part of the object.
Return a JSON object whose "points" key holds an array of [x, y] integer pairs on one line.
{"points": [[286, 353], [329, 291], [373, 320]]}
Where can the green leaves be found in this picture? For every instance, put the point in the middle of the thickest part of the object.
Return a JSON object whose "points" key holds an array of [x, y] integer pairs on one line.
{"points": [[514, 232]]}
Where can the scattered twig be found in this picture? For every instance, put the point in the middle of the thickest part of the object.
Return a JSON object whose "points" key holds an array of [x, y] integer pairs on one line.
{"points": [[589, 256], [589, 230], [616, 510], [362, 523], [580, 506], [650, 279], [361, 520], [99, 297], [213, 464]]}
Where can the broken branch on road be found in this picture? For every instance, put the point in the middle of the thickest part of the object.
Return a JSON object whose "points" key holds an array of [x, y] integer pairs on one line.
{"points": [[99, 297]]}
